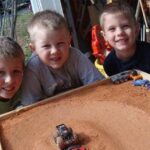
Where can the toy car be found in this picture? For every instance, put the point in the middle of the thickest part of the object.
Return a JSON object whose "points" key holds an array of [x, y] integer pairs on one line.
{"points": [[134, 75], [64, 137], [125, 76], [142, 82]]}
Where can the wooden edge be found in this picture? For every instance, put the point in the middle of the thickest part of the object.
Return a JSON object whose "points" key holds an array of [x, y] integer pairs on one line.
{"points": [[51, 99], [54, 98]]}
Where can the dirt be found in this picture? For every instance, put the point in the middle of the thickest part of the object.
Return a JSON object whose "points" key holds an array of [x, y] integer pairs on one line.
{"points": [[104, 116]]}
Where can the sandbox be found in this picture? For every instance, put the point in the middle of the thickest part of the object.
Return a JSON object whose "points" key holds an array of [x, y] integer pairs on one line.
{"points": [[105, 117]]}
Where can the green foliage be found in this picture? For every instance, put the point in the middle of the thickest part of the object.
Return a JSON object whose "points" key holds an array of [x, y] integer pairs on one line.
{"points": [[26, 48], [21, 32]]}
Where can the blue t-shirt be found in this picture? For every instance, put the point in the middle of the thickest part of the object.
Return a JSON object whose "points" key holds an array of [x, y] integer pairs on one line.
{"points": [[41, 81], [140, 60]]}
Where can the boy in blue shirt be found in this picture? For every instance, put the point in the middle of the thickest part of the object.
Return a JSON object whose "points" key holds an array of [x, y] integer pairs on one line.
{"points": [[120, 30]]}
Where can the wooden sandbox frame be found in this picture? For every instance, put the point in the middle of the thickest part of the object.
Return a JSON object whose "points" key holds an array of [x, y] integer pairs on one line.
{"points": [[58, 98]]}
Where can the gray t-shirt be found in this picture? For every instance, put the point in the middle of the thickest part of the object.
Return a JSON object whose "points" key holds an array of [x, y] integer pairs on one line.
{"points": [[41, 81]]}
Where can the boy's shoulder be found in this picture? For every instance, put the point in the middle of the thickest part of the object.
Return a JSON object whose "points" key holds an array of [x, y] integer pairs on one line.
{"points": [[34, 62], [75, 51], [111, 56], [8, 105], [76, 54], [143, 44], [4, 106], [33, 59]]}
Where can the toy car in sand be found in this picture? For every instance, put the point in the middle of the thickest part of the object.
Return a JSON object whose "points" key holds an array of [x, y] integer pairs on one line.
{"points": [[65, 138]]}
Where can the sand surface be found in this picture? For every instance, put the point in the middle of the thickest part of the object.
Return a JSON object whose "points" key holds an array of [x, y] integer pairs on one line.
{"points": [[105, 117]]}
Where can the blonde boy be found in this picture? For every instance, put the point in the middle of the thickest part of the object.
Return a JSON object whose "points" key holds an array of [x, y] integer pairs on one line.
{"points": [[54, 66], [121, 30], [11, 73]]}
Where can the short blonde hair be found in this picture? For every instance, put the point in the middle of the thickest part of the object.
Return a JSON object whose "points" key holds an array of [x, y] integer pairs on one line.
{"points": [[10, 49], [117, 7], [48, 19]]}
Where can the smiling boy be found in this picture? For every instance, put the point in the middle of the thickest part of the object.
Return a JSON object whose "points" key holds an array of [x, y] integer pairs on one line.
{"points": [[120, 30], [11, 73], [54, 66]]}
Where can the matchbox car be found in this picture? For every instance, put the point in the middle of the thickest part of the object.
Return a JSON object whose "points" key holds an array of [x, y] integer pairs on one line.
{"points": [[64, 137], [125, 76]]}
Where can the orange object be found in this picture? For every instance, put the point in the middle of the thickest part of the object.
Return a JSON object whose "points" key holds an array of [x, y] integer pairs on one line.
{"points": [[135, 77], [99, 45]]}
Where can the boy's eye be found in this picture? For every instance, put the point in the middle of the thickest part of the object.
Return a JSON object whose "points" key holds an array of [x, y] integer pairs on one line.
{"points": [[61, 44], [112, 29], [17, 72], [2, 73], [46, 46], [125, 26]]}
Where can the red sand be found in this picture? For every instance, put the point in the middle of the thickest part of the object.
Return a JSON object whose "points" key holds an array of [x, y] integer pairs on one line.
{"points": [[105, 117]]}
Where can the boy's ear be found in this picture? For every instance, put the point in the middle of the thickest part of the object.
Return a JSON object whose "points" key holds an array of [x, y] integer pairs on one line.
{"points": [[32, 47], [70, 39], [103, 34]]}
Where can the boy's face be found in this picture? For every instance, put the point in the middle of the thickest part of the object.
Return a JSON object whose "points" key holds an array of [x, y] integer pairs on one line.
{"points": [[11, 73], [52, 47], [120, 32]]}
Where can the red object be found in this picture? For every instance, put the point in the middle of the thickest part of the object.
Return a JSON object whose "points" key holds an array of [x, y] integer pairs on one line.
{"points": [[99, 45]]}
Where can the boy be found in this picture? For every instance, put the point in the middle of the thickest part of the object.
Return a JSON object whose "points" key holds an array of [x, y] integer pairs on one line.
{"points": [[11, 73], [121, 29], [54, 66]]}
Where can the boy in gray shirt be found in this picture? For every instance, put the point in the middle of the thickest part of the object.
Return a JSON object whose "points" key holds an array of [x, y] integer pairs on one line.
{"points": [[54, 66]]}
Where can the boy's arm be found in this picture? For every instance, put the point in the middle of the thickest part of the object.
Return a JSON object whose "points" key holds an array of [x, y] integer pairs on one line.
{"points": [[31, 88]]}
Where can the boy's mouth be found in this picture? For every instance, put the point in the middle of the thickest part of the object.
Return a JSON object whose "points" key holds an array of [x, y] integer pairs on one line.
{"points": [[7, 92], [55, 59], [8, 89], [121, 40]]}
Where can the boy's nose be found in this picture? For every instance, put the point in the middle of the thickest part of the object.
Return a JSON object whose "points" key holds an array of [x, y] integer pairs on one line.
{"points": [[53, 50], [119, 31], [8, 78]]}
